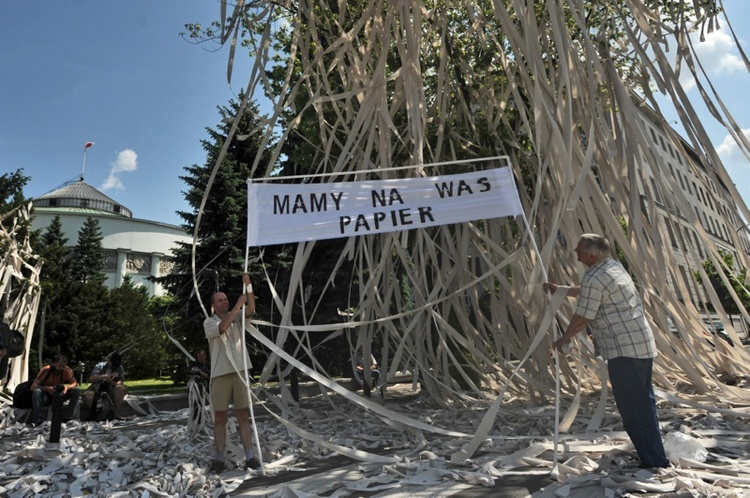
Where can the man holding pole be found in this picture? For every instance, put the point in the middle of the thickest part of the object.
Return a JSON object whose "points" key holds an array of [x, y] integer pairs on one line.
{"points": [[608, 303], [229, 361]]}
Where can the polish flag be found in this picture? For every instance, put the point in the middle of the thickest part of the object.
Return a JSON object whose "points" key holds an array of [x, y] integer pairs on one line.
{"points": [[87, 145]]}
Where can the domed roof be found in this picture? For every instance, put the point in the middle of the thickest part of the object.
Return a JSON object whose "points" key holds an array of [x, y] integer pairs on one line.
{"points": [[80, 194]]}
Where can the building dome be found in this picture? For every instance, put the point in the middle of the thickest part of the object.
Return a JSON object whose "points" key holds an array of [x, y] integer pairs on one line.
{"points": [[136, 248], [81, 195]]}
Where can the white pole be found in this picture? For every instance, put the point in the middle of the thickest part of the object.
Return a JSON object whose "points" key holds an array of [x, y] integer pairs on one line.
{"points": [[83, 167], [555, 469], [247, 379]]}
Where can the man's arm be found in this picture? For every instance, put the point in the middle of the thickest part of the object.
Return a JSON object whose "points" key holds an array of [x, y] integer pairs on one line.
{"points": [[97, 374], [70, 381], [248, 287], [38, 382], [574, 291], [226, 322], [576, 325]]}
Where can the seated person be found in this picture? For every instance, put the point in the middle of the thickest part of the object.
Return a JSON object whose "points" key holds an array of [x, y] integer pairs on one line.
{"points": [[106, 377], [359, 372], [57, 377], [198, 385], [200, 369]]}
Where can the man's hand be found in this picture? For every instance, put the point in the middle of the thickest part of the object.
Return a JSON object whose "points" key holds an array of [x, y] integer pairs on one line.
{"points": [[549, 287], [246, 279], [562, 345]]}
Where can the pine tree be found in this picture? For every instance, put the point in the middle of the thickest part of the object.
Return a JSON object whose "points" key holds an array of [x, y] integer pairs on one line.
{"points": [[222, 232], [55, 279], [133, 329], [89, 255]]}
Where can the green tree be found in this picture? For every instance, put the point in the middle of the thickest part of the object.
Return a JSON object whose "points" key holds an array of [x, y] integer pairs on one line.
{"points": [[89, 255], [222, 232], [12, 197], [11, 190], [55, 279], [134, 331], [736, 278]]}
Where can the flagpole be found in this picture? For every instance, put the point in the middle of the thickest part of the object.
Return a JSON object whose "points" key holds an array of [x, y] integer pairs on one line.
{"points": [[85, 148]]}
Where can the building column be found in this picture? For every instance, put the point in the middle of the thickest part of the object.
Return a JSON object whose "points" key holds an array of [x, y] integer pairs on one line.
{"points": [[121, 270], [155, 262]]}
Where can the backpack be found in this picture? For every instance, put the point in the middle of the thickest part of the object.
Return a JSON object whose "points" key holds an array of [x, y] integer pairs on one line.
{"points": [[22, 393]]}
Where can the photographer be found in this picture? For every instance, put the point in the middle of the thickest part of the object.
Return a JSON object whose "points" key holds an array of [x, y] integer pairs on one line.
{"points": [[200, 369], [57, 377], [198, 385], [107, 377]]}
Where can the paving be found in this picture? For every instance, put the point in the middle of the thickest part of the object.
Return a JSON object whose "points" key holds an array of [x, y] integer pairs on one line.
{"points": [[338, 471]]}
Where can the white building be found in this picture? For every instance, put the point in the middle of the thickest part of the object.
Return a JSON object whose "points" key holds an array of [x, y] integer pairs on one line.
{"points": [[133, 247], [690, 184]]}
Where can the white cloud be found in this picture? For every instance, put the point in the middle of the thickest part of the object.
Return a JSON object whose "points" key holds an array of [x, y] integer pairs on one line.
{"points": [[717, 54], [731, 155], [127, 161]]}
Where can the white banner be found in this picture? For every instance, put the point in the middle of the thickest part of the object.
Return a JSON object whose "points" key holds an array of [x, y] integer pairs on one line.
{"points": [[280, 213]]}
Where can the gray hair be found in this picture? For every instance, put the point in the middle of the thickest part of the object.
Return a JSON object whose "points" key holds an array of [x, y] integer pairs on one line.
{"points": [[596, 245]]}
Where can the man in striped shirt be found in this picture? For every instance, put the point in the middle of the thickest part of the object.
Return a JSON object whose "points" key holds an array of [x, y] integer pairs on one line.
{"points": [[608, 303]]}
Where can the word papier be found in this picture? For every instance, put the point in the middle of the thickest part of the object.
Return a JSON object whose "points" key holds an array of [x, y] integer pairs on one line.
{"points": [[280, 213]]}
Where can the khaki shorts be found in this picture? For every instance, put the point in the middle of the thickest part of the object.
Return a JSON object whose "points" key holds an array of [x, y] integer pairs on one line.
{"points": [[226, 389]]}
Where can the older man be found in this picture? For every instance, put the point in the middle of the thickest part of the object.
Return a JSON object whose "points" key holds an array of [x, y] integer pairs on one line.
{"points": [[609, 303]]}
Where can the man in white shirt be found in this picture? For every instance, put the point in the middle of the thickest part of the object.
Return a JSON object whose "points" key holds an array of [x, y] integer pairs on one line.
{"points": [[229, 360]]}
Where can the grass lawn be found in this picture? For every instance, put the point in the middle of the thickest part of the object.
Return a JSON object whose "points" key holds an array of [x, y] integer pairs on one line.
{"points": [[163, 385]]}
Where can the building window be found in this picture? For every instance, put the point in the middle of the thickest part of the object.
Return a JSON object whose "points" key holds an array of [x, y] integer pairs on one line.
{"points": [[698, 244], [655, 191], [671, 233], [687, 280], [676, 288], [679, 236]]}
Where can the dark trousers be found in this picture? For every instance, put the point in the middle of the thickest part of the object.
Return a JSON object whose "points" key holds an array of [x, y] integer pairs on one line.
{"points": [[40, 400], [634, 396]]}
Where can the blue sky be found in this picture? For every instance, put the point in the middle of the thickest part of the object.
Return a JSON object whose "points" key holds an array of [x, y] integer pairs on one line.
{"points": [[119, 75], [116, 74]]}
